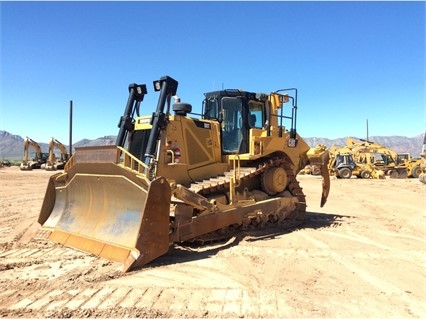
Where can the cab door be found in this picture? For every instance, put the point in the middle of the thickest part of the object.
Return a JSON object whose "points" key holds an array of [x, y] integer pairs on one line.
{"points": [[234, 126]]}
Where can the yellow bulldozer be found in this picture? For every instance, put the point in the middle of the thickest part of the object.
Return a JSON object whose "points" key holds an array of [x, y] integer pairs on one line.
{"points": [[175, 178]]}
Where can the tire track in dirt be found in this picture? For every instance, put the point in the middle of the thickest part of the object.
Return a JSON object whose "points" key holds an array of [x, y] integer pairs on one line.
{"points": [[382, 285], [44, 296], [330, 267], [219, 293], [352, 236]]}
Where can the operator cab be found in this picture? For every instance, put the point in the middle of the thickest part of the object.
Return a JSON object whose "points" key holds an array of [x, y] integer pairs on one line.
{"points": [[344, 160], [237, 112]]}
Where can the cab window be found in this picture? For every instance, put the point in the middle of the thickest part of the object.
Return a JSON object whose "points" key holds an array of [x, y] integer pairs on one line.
{"points": [[256, 114]]}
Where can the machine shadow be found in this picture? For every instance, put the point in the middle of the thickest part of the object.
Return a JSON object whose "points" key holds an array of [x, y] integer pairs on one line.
{"points": [[315, 220], [183, 253]]}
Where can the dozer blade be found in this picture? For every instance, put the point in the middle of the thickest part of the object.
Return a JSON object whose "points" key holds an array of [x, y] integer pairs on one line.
{"points": [[116, 214]]}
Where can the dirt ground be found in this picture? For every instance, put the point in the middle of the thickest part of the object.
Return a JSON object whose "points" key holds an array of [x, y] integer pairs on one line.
{"points": [[363, 255]]}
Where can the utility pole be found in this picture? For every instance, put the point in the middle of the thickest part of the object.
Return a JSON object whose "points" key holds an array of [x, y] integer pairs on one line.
{"points": [[70, 151], [367, 130]]}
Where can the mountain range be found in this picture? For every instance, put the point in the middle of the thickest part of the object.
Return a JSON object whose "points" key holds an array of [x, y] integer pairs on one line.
{"points": [[12, 146]]}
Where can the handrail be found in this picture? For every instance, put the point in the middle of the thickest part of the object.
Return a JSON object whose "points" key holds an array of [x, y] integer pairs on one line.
{"points": [[131, 162], [122, 157]]}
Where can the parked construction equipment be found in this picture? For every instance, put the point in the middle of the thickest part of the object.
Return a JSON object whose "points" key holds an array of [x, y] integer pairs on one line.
{"points": [[374, 155], [313, 169], [411, 164], [343, 165], [5, 163], [422, 176], [54, 163], [38, 160]]}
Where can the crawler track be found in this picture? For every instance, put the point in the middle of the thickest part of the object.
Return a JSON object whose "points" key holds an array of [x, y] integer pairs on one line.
{"points": [[221, 184]]}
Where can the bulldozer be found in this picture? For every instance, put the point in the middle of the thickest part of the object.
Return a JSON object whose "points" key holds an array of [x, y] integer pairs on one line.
{"points": [[179, 177], [37, 161], [52, 163]]}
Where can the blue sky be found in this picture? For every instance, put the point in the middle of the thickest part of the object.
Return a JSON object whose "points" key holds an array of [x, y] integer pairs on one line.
{"points": [[351, 61]]}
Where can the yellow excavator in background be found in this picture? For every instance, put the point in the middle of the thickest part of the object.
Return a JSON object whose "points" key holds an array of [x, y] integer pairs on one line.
{"points": [[39, 159], [52, 163], [174, 178]]}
